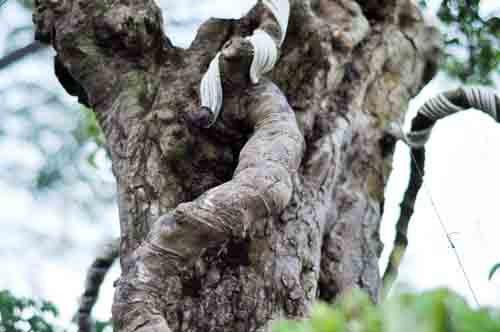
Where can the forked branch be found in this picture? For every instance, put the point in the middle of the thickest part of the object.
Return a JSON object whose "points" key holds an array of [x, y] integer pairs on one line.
{"points": [[98, 42], [261, 186]]}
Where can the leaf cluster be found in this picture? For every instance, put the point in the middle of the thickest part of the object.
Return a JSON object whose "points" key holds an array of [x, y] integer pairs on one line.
{"points": [[473, 42], [25, 315], [433, 311], [20, 314]]}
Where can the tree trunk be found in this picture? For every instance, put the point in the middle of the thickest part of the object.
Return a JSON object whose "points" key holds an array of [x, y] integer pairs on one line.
{"points": [[346, 68]]}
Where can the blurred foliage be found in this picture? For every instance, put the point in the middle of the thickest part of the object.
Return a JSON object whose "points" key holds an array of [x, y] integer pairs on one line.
{"points": [[65, 157], [28, 315], [62, 143], [473, 42], [433, 311]]}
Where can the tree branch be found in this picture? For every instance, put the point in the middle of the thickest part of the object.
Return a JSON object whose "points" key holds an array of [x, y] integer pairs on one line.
{"points": [[261, 187], [100, 42], [435, 109], [417, 169], [20, 54], [95, 276]]}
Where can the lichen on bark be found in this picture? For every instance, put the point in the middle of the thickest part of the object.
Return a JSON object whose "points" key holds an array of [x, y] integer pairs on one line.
{"points": [[297, 194]]}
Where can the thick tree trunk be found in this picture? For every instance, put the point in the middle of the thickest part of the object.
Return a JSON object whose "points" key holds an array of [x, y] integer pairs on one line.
{"points": [[347, 69]]}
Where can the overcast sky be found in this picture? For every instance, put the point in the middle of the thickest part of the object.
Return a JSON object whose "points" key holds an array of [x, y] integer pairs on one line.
{"points": [[461, 178]]}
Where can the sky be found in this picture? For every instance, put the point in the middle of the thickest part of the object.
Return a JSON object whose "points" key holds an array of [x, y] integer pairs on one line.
{"points": [[461, 185]]}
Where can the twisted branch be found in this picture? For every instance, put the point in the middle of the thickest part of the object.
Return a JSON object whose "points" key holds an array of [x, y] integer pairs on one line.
{"points": [[261, 186], [434, 109], [407, 209], [449, 103], [264, 46], [101, 43]]}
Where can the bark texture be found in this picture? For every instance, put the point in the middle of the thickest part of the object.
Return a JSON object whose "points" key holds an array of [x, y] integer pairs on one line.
{"points": [[277, 204]]}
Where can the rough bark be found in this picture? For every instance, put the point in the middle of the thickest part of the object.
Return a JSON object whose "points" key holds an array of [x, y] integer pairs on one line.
{"points": [[296, 222]]}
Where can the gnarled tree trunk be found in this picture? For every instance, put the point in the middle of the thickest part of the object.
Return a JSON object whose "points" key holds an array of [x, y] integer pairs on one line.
{"points": [[347, 69]]}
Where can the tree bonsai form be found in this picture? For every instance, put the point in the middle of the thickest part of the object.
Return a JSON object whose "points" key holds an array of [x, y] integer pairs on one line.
{"points": [[254, 218]]}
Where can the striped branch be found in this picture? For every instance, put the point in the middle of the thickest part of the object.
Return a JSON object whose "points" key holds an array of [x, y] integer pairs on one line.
{"points": [[407, 209], [449, 103], [266, 41], [437, 108], [95, 276]]}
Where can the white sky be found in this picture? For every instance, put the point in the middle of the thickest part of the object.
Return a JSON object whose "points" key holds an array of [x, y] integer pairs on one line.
{"points": [[461, 177]]}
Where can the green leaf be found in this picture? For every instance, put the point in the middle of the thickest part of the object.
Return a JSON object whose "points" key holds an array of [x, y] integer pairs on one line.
{"points": [[290, 326], [325, 319]]}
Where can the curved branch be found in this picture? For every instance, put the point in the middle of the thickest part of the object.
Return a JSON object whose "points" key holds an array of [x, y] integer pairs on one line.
{"points": [[449, 103], [434, 109], [95, 276], [261, 187], [20, 54], [244, 58], [98, 42], [407, 208]]}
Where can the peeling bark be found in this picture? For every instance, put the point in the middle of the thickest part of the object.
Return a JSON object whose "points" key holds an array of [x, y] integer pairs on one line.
{"points": [[228, 228]]}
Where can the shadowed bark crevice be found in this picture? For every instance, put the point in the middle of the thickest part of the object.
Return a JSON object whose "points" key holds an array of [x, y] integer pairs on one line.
{"points": [[69, 84]]}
